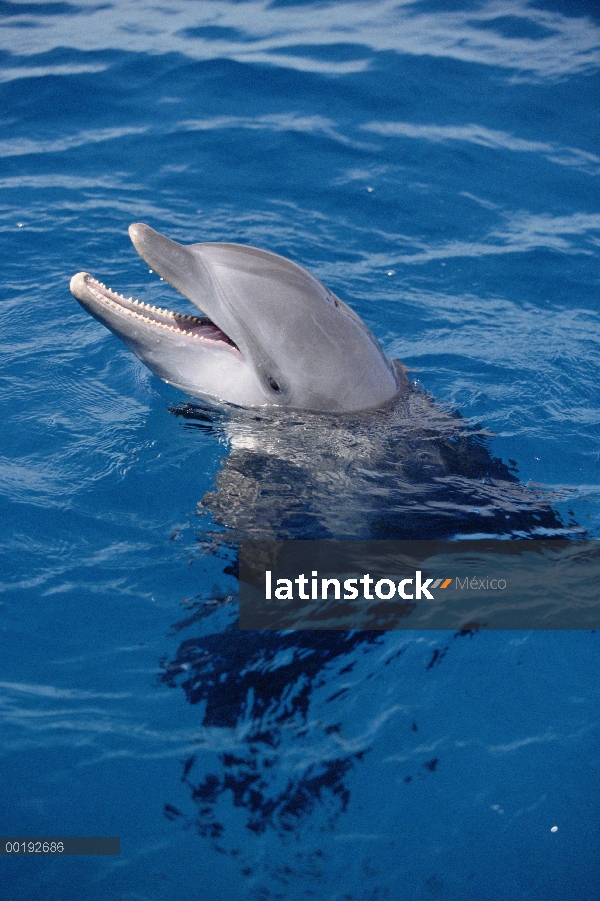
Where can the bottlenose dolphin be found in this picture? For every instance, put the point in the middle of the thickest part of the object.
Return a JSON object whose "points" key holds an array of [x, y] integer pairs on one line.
{"points": [[286, 353], [271, 335]]}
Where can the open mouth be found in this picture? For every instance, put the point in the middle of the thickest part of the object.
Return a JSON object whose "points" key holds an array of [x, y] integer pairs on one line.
{"points": [[198, 328]]}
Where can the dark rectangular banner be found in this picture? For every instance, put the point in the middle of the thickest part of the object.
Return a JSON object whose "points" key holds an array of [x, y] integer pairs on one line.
{"points": [[458, 585], [53, 846]]}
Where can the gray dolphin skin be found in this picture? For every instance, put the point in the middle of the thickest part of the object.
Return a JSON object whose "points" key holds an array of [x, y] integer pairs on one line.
{"points": [[271, 334]]}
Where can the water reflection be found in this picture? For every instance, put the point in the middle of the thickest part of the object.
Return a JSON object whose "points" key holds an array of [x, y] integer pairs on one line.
{"points": [[279, 701]]}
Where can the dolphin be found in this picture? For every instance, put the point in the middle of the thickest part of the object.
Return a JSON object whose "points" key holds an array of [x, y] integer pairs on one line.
{"points": [[272, 335]]}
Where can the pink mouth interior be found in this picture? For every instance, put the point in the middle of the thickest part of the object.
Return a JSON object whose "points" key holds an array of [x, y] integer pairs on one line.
{"points": [[203, 328]]}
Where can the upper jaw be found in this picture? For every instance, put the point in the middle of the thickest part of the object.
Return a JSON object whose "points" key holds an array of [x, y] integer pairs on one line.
{"points": [[186, 269]]}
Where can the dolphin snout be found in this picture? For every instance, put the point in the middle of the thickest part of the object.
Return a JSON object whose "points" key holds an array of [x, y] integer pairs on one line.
{"points": [[78, 286]]}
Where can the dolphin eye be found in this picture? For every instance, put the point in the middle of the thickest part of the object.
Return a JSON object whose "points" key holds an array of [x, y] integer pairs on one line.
{"points": [[273, 384]]}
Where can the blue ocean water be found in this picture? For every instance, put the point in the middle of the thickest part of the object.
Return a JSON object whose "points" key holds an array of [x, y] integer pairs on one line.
{"points": [[437, 166]]}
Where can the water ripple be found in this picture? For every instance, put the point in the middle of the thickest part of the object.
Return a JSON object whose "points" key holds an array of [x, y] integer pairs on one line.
{"points": [[531, 43]]}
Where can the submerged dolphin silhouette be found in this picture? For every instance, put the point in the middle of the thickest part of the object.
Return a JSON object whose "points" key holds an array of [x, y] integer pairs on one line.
{"points": [[272, 333]]}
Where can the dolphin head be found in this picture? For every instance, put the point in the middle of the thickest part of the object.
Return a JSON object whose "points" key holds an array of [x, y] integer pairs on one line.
{"points": [[271, 335]]}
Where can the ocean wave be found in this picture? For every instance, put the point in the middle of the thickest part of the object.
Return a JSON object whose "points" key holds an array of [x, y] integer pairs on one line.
{"points": [[513, 36], [488, 137]]}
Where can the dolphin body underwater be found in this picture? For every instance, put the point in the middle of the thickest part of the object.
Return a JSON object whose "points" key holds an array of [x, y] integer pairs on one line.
{"points": [[328, 438]]}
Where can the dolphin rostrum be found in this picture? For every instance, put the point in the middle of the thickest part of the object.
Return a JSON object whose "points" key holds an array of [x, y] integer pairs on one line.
{"points": [[271, 335]]}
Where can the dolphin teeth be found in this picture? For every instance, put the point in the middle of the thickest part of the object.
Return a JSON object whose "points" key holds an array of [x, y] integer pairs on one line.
{"points": [[180, 324]]}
